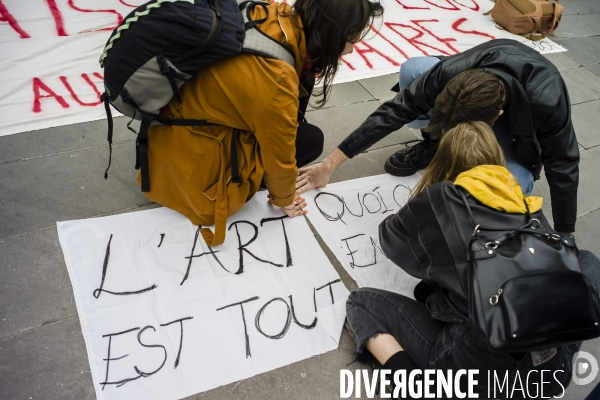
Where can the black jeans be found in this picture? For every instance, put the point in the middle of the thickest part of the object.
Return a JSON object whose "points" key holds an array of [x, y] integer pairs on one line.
{"points": [[309, 138], [446, 346], [309, 143]]}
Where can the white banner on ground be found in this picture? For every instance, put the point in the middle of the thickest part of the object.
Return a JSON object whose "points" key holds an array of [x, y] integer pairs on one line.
{"points": [[414, 28], [347, 216], [50, 50], [164, 316]]}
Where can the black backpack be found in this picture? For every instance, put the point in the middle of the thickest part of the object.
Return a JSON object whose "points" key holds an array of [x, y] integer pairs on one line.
{"points": [[526, 288], [161, 45]]}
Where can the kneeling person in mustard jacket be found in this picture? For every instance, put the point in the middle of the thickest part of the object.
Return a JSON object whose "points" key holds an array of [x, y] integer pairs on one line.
{"points": [[259, 103]]}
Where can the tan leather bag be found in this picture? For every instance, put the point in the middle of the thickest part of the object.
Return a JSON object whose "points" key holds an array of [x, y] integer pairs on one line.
{"points": [[532, 19]]}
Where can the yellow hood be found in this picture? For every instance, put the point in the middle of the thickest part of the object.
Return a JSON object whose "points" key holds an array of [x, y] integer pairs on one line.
{"points": [[495, 187]]}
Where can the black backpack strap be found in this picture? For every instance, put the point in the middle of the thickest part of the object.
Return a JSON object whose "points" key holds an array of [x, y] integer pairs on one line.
{"points": [[141, 156], [527, 209], [235, 171], [513, 231], [142, 151], [251, 5], [104, 99], [141, 143], [464, 199], [168, 73], [183, 122]]}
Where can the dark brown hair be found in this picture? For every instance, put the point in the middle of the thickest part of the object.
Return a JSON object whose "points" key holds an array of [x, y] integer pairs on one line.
{"points": [[328, 25], [472, 95]]}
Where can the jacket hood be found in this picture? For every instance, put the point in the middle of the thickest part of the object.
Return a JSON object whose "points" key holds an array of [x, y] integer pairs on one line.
{"points": [[495, 187]]}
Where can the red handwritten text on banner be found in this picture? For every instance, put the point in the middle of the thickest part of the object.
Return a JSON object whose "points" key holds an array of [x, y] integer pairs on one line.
{"points": [[51, 75]]}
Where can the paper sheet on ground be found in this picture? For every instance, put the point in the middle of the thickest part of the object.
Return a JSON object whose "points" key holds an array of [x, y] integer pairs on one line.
{"points": [[149, 253], [347, 216], [50, 50]]}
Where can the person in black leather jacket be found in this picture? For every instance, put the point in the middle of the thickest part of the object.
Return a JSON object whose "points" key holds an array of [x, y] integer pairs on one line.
{"points": [[536, 120], [428, 239]]}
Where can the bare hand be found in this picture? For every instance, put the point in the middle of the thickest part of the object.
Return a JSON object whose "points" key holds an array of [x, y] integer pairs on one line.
{"points": [[296, 208], [315, 176]]}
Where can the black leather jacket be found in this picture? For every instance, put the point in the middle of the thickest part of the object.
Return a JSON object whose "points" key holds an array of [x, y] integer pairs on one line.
{"points": [[428, 239], [539, 113]]}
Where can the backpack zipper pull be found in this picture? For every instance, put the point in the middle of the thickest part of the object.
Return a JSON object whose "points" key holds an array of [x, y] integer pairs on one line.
{"points": [[215, 8], [495, 298]]}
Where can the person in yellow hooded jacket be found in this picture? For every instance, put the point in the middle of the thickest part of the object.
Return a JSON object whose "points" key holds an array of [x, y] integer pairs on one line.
{"points": [[259, 103], [428, 239]]}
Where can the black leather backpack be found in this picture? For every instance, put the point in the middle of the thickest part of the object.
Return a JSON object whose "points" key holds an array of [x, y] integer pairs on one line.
{"points": [[526, 289]]}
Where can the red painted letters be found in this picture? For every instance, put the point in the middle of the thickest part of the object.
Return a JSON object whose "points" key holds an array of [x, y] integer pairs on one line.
{"points": [[413, 41], [6, 16], [378, 32], [370, 49], [460, 21], [411, 7], [58, 19], [74, 95], [43, 91], [110, 28], [39, 85]]}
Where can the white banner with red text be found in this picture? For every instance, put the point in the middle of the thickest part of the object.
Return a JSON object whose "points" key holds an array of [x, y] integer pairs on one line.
{"points": [[50, 49]]}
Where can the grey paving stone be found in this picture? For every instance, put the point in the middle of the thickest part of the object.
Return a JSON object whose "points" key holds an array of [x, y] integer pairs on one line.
{"points": [[584, 121], [583, 6], [574, 26], [594, 69], [380, 86], [343, 93], [35, 286], [47, 363], [568, 11], [588, 194], [338, 122], [582, 84], [62, 139], [587, 232], [588, 197], [585, 50], [37, 193], [562, 60], [344, 276], [595, 151]]}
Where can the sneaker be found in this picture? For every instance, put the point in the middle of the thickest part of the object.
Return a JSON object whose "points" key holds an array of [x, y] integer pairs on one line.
{"points": [[407, 161]]}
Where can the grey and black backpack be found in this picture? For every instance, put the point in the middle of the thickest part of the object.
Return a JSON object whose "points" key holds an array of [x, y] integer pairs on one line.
{"points": [[160, 45]]}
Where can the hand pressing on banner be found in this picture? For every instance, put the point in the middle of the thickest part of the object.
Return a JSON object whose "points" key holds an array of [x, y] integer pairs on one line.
{"points": [[296, 208], [317, 176]]}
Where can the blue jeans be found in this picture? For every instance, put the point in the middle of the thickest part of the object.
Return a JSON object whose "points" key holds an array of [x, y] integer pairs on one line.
{"points": [[417, 66]]}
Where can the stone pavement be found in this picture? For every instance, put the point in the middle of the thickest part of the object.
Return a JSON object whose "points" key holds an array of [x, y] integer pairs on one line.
{"points": [[56, 175]]}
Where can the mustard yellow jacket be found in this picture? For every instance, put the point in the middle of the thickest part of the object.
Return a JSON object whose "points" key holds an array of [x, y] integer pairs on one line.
{"points": [[190, 167]]}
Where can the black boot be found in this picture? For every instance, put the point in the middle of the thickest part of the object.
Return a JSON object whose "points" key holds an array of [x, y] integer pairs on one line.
{"points": [[407, 161]]}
